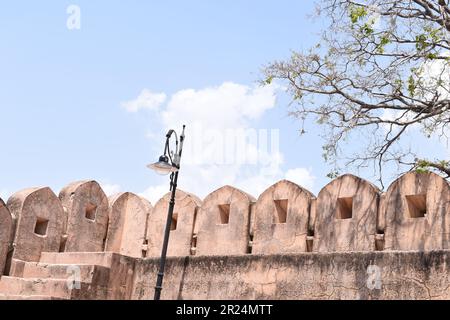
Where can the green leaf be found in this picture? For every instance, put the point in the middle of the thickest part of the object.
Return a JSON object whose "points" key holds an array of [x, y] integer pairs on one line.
{"points": [[269, 80], [421, 42], [333, 174], [367, 29], [356, 13], [422, 170], [383, 42], [411, 85]]}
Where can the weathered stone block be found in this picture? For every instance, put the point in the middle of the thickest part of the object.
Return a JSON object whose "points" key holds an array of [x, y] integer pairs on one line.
{"points": [[346, 216], [281, 219], [127, 224], [223, 223], [87, 209], [118, 279], [6, 230], [39, 223], [184, 215], [417, 213]]}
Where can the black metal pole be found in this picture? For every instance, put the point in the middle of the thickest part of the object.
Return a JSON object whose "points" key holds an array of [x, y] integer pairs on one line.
{"points": [[162, 263], [173, 186]]}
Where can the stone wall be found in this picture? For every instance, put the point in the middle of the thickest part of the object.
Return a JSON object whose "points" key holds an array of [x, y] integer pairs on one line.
{"points": [[349, 215], [391, 275]]}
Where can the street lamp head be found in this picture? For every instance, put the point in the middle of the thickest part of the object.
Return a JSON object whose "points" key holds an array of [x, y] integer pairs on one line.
{"points": [[163, 167]]}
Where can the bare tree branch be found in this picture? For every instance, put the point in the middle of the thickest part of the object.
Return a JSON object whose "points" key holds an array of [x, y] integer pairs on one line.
{"points": [[382, 67]]}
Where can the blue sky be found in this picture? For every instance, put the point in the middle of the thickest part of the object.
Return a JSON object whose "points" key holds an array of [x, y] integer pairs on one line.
{"points": [[64, 93]]}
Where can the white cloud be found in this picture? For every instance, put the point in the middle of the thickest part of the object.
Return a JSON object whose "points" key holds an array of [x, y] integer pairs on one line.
{"points": [[220, 121], [398, 116], [224, 144], [146, 100], [154, 193], [436, 74], [229, 105], [4, 194], [256, 184], [110, 189], [435, 78], [222, 138], [203, 180], [301, 176]]}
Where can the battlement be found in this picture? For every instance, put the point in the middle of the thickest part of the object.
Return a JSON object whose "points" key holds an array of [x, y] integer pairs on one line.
{"points": [[348, 215]]}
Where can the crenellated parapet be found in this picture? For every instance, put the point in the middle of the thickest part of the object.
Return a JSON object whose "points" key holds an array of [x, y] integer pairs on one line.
{"points": [[182, 225], [281, 218], [223, 222], [6, 234], [345, 216], [39, 225], [127, 227], [348, 215], [416, 214], [87, 209]]}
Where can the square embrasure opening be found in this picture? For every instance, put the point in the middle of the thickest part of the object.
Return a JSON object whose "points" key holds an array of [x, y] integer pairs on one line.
{"points": [[281, 207], [91, 211], [174, 224], [41, 227], [344, 208], [224, 213], [417, 205]]}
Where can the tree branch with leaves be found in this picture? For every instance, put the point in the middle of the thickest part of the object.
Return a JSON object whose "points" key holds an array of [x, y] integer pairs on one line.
{"points": [[380, 69]]}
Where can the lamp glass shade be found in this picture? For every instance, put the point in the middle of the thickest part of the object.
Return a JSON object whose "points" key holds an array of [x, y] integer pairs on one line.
{"points": [[163, 167]]}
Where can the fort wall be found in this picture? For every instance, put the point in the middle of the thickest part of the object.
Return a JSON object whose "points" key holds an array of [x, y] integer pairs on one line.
{"points": [[285, 244]]}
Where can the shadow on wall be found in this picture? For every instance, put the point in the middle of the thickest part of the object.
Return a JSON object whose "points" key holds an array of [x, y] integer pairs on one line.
{"points": [[349, 214]]}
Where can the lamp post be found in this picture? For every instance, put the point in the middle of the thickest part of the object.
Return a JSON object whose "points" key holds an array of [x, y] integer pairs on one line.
{"points": [[169, 162]]}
